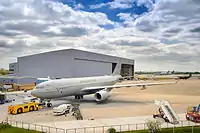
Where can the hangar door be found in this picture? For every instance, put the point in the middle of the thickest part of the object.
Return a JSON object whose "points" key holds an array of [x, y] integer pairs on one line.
{"points": [[84, 68], [127, 70]]}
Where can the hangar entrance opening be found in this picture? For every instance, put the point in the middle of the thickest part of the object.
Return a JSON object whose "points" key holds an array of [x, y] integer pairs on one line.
{"points": [[127, 70]]}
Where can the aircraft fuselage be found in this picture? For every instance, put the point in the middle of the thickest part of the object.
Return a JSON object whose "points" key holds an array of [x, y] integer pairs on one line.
{"points": [[71, 87]]}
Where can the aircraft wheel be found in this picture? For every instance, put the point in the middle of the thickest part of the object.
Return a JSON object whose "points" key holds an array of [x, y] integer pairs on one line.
{"points": [[42, 102], [78, 97], [155, 116], [195, 120], [67, 112], [49, 105], [187, 117]]}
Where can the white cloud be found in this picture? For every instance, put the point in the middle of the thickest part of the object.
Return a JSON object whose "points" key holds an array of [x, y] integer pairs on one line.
{"points": [[169, 21], [36, 20], [166, 38], [115, 4], [122, 4], [98, 5], [125, 16], [147, 3], [79, 6], [41, 14]]}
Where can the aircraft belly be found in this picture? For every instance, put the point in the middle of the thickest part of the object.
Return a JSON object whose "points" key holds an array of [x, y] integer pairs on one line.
{"points": [[70, 91]]}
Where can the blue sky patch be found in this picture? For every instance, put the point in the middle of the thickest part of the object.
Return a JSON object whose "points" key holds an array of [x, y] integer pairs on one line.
{"points": [[111, 13]]}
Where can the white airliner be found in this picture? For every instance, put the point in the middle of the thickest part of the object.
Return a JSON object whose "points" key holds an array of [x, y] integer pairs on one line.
{"points": [[78, 87]]}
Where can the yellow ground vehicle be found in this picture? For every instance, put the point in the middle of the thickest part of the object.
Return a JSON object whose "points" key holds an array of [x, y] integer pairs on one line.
{"points": [[22, 108]]}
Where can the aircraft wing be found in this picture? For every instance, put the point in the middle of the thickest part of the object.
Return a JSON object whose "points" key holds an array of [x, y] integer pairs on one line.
{"points": [[109, 88]]}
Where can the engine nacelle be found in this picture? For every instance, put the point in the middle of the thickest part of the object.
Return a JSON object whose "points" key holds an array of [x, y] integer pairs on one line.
{"points": [[101, 95]]}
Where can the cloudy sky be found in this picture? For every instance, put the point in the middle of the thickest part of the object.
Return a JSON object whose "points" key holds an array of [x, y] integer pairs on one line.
{"points": [[158, 34]]}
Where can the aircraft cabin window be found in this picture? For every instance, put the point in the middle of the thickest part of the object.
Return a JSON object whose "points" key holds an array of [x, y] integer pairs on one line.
{"points": [[40, 87]]}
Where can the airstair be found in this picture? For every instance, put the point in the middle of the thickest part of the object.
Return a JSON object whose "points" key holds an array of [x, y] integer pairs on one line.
{"points": [[168, 111]]}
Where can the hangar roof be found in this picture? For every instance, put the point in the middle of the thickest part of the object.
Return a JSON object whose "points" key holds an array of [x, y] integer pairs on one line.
{"points": [[75, 50]]}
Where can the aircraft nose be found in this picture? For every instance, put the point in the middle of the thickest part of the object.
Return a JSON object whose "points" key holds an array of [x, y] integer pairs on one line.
{"points": [[34, 93]]}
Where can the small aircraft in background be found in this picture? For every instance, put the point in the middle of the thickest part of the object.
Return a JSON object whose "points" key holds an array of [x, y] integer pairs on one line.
{"points": [[164, 73], [185, 77]]}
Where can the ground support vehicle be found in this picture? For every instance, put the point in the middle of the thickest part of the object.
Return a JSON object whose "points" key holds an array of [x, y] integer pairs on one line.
{"points": [[23, 108], [193, 114], [62, 109]]}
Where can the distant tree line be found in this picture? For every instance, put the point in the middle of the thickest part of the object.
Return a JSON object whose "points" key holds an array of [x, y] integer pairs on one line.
{"points": [[3, 71], [176, 72]]}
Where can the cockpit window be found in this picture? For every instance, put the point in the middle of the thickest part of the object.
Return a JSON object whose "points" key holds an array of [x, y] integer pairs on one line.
{"points": [[39, 87]]}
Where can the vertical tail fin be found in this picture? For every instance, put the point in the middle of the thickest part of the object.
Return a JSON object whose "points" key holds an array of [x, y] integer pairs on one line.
{"points": [[117, 69]]}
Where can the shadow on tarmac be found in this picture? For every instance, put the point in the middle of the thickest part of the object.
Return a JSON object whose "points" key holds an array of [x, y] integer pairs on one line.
{"points": [[91, 102]]}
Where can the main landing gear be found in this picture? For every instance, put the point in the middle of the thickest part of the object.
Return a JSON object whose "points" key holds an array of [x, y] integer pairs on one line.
{"points": [[79, 97]]}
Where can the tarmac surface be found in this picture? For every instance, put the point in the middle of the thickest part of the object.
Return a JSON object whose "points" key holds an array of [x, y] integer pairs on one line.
{"points": [[129, 103]]}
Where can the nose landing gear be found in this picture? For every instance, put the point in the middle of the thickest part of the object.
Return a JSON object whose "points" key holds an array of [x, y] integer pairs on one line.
{"points": [[46, 103], [49, 104]]}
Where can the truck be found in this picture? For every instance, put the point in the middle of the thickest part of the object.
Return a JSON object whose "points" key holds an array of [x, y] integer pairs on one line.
{"points": [[193, 114], [23, 108]]}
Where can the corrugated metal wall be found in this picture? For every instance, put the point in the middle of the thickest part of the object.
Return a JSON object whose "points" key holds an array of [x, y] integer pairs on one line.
{"points": [[84, 68]]}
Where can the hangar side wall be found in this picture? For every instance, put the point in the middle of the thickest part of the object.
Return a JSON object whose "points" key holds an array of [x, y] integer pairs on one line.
{"points": [[84, 68], [57, 64]]}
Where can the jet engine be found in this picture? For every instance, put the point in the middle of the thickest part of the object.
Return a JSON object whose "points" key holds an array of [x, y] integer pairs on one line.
{"points": [[101, 95]]}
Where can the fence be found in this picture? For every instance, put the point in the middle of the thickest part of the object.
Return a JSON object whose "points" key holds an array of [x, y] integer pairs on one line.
{"points": [[101, 129], [30, 126]]}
